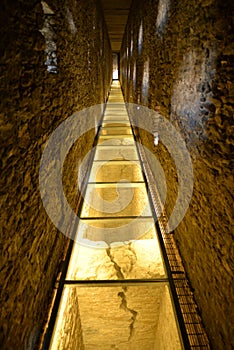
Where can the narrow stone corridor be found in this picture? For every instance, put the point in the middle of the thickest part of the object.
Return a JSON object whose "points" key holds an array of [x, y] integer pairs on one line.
{"points": [[116, 239], [150, 88]]}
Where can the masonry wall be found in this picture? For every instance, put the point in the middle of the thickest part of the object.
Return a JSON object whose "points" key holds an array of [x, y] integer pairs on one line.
{"points": [[54, 60], [177, 59]]}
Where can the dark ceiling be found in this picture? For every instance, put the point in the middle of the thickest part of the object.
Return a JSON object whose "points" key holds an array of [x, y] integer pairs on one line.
{"points": [[116, 15]]}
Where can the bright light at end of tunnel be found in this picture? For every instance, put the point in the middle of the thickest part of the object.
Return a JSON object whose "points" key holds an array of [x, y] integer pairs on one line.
{"points": [[115, 74]]}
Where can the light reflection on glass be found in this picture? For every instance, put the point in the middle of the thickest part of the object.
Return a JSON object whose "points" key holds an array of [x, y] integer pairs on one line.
{"points": [[112, 153], [116, 240], [105, 200], [100, 254], [116, 171], [118, 130], [118, 317], [116, 140]]}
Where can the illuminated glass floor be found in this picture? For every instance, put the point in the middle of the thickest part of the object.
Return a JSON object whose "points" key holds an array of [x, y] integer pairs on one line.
{"points": [[116, 293]]}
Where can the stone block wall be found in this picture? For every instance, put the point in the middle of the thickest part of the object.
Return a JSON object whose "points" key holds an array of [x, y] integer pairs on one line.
{"points": [[55, 60], [177, 59]]}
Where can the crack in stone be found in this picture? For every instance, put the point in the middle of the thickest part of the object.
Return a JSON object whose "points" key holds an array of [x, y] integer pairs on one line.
{"points": [[122, 294], [122, 169], [119, 273], [125, 307], [122, 155], [132, 250]]}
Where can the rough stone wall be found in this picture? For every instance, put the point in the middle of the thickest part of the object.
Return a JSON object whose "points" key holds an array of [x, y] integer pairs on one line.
{"points": [[181, 64], [35, 98], [68, 333]]}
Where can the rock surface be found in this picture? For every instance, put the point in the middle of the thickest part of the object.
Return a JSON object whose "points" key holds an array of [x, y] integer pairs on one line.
{"points": [[177, 58], [47, 74]]}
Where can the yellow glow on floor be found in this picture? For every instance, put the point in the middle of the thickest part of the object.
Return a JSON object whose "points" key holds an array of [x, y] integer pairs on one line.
{"points": [[116, 240]]}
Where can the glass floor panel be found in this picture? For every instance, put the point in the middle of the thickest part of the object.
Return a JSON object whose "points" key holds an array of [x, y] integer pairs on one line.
{"points": [[112, 123], [114, 153], [109, 258], [115, 97], [116, 171], [122, 199], [113, 230], [124, 317], [119, 105], [116, 140], [124, 130], [114, 117], [115, 110], [116, 243]]}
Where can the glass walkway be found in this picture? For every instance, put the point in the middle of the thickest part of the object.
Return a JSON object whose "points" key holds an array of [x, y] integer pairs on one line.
{"points": [[116, 294]]}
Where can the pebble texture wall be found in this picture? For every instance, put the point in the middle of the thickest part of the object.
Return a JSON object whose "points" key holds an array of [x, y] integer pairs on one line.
{"points": [[54, 59], [177, 58]]}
